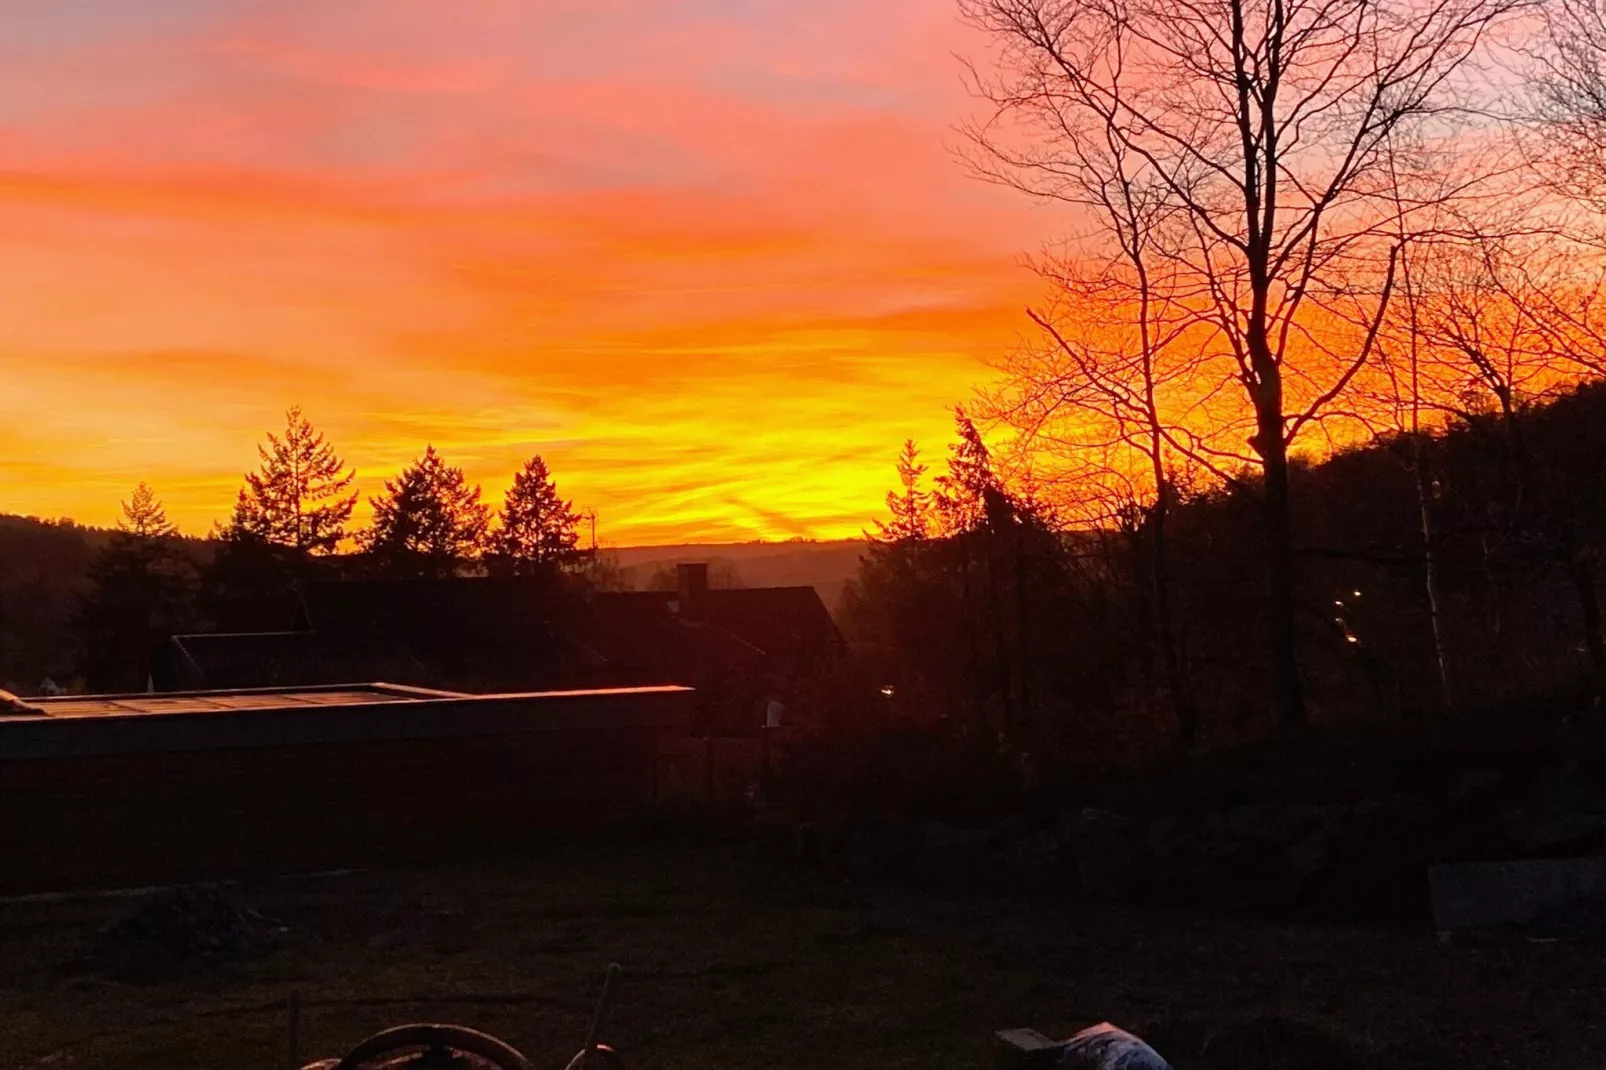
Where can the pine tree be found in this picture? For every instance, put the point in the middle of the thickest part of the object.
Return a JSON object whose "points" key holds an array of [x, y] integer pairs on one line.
{"points": [[910, 508], [539, 530], [429, 521], [971, 488], [139, 595], [300, 497], [144, 515]]}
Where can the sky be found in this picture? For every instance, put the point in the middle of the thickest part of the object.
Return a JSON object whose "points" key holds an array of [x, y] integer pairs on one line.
{"points": [[713, 259]]}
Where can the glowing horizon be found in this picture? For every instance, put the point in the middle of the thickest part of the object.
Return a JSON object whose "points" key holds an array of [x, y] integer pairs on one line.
{"points": [[714, 263]]}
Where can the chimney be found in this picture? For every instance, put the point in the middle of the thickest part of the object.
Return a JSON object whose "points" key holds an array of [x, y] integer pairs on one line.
{"points": [[691, 581]]}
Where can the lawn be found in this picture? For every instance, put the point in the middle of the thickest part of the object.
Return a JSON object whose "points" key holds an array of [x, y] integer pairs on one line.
{"points": [[732, 962]]}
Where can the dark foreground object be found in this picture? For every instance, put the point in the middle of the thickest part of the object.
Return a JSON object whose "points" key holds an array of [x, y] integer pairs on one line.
{"points": [[129, 790], [734, 963]]}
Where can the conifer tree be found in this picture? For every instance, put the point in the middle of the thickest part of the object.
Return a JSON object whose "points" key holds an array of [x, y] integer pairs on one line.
{"points": [[144, 516], [910, 506], [965, 494], [429, 521], [539, 530], [139, 595], [300, 496]]}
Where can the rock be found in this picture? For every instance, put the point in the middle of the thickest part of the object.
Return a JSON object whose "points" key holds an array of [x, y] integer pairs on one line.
{"points": [[1560, 892], [1107, 851], [1009, 830], [860, 853], [949, 856], [807, 845], [1372, 808], [907, 843], [1163, 836], [1564, 787], [1333, 816], [1308, 857], [1273, 825], [1540, 827], [1032, 860], [770, 837], [1474, 787], [1397, 809], [182, 930]]}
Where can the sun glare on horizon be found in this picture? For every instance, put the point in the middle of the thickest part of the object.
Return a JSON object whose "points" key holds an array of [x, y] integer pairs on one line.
{"points": [[714, 262]]}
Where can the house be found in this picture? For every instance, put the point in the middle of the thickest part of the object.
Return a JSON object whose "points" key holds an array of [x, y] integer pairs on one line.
{"points": [[745, 650]]}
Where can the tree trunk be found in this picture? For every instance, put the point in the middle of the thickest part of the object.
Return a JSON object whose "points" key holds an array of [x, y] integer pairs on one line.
{"points": [[1287, 694], [1170, 660], [1430, 563], [1584, 587]]}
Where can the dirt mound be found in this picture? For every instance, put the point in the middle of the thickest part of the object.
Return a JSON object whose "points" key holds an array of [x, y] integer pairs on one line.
{"points": [[181, 931]]}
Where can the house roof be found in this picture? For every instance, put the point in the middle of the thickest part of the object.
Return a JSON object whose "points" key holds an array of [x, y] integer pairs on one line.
{"points": [[514, 632]]}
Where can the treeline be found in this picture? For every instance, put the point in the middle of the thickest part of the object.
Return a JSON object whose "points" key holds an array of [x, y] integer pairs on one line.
{"points": [[94, 607], [1354, 251], [989, 620]]}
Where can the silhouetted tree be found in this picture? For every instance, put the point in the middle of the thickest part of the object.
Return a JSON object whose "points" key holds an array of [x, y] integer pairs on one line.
{"points": [[144, 517], [300, 497], [139, 595], [539, 530], [909, 505], [962, 493], [429, 522], [1508, 323], [1264, 129]]}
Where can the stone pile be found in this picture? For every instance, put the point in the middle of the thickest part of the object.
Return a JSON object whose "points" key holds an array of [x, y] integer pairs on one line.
{"points": [[184, 930], [1358, 861]]}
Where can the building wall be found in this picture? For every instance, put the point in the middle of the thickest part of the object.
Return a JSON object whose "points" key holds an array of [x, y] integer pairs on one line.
{"points": [[75, 820]]}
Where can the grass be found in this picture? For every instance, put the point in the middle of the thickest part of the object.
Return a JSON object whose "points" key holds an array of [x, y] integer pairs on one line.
{"points": [[733, 963]]}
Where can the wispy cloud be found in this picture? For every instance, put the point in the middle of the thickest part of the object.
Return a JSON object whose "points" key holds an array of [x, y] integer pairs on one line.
{"points": [[712, 258]]}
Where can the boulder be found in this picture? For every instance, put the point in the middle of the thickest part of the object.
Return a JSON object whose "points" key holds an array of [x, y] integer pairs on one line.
{"points": [[1543, 828], [949, 856], [1008, 831], [1501, 894], [1032, 861], [1474, 788], [1309, 857], [1271, 825], [807, 844], [1108, 853], [1564, 787], [184, 930], [770, 836]]}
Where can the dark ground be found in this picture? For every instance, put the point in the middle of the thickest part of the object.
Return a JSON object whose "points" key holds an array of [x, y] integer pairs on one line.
{"points": [[733, 963]]}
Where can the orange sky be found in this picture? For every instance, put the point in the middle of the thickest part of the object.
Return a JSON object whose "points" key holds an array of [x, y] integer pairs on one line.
{"points": [[710, 257]]}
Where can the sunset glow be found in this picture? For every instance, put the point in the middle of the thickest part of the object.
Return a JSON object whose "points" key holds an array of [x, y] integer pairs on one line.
{"points": [[715, 260]]}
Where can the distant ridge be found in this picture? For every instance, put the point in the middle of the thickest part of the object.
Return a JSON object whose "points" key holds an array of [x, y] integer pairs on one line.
{"points": [[826, 565]]}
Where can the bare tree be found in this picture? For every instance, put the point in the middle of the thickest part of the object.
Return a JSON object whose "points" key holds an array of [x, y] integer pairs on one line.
{"points": [[1096, 398], [1570, 75], [1511, 318], [1262, 128]]}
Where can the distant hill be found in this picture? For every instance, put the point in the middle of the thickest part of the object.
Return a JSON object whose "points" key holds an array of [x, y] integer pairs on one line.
{"points": [[825, 566], [44, 568]]}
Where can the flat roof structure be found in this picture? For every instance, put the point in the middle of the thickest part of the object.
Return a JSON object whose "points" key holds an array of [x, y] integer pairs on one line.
{"points": [[280, 716], [265, 698], [117, 790]]}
